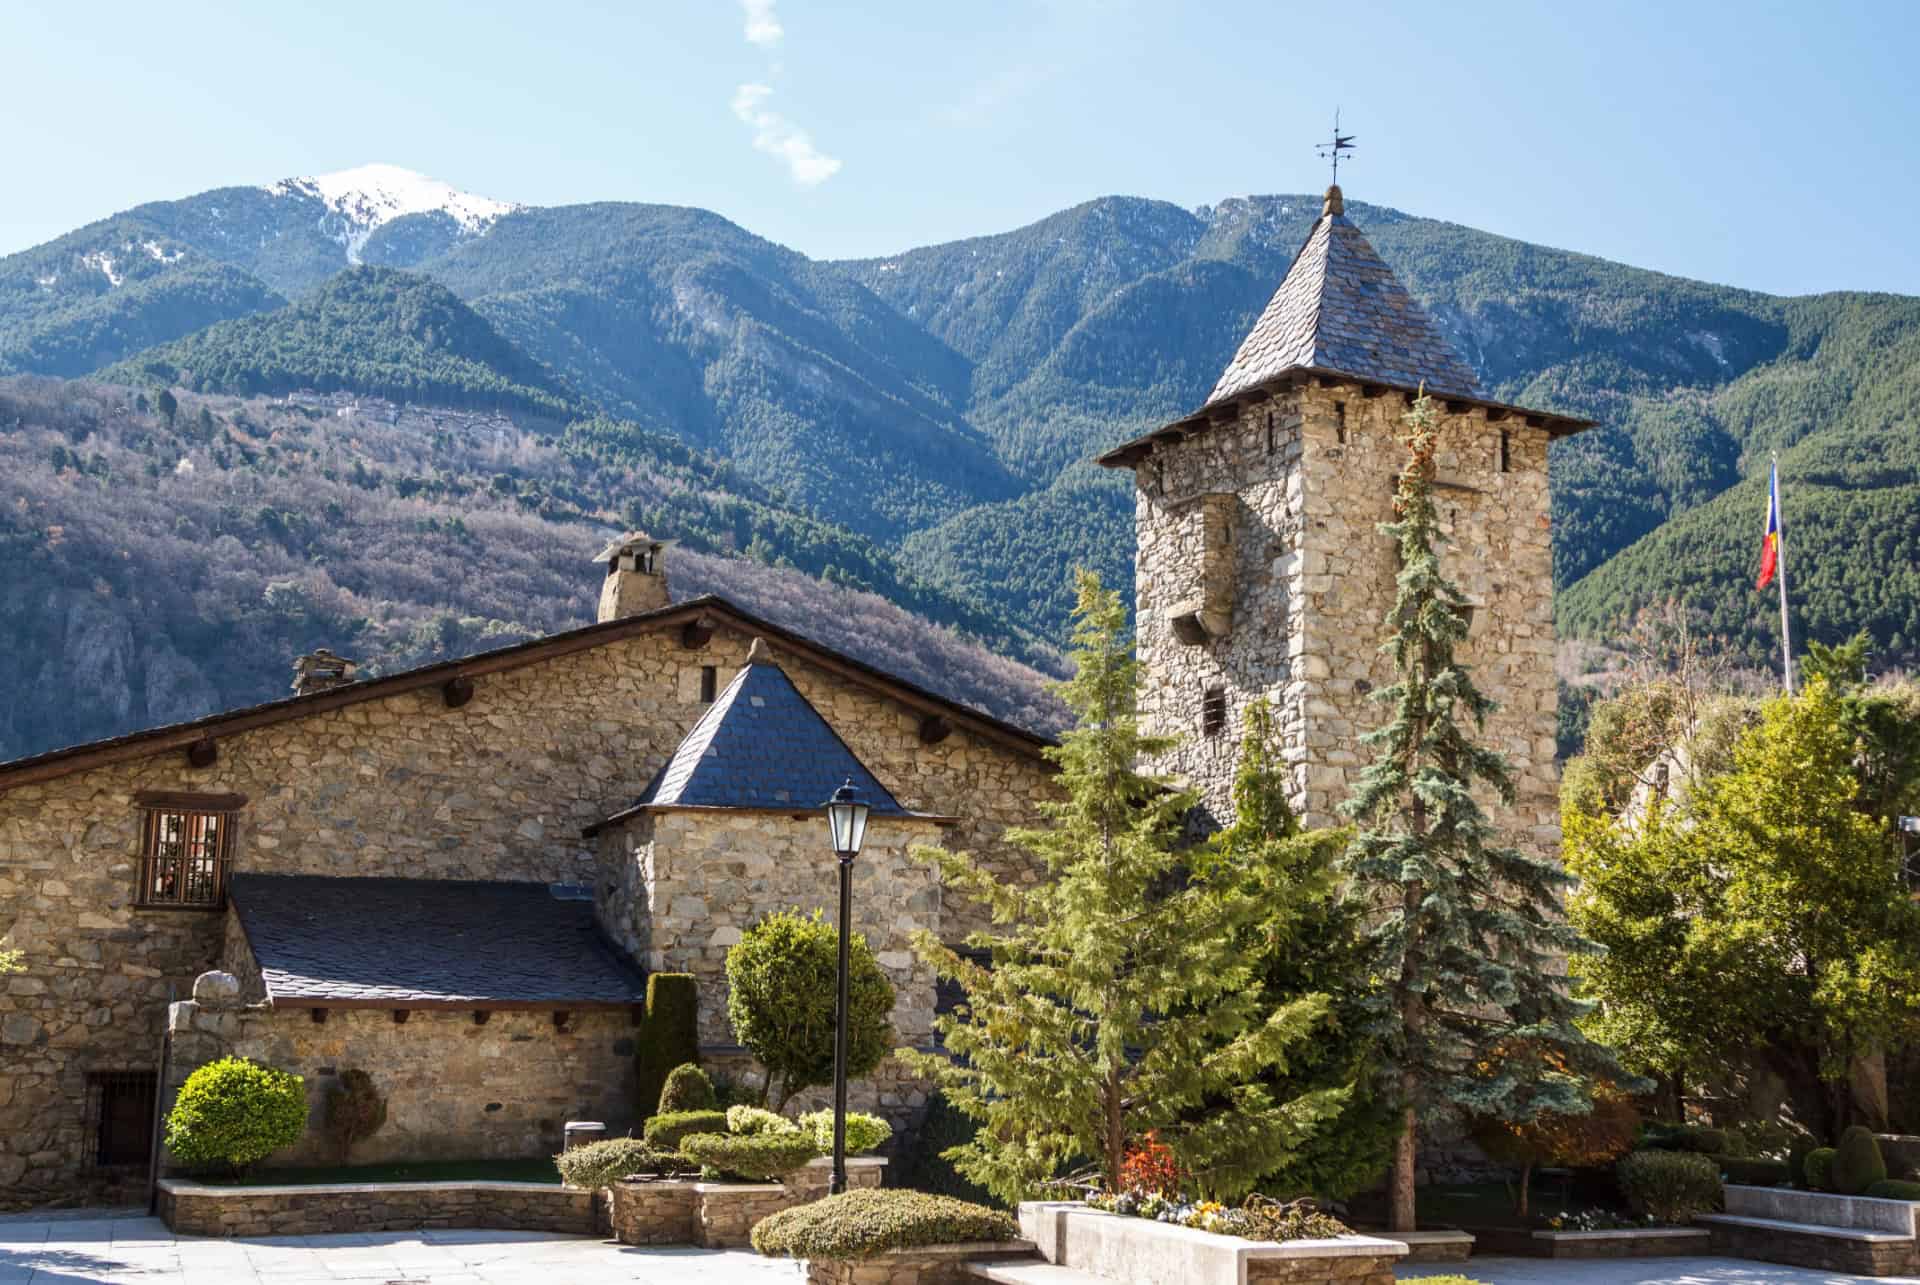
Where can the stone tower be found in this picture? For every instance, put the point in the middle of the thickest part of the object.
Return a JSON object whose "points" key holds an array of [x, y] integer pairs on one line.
{"points": [[1260, 570], [636, 576]]}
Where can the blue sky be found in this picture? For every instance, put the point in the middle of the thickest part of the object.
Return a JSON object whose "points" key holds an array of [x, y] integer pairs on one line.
{"points": [[1762, 144]]}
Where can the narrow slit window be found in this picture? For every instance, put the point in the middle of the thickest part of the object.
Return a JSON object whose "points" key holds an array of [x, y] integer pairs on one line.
{"points": [[1340, 422], [184, 858], [1269, 432], [709, 683], [1506, 451], [1213, 711]]}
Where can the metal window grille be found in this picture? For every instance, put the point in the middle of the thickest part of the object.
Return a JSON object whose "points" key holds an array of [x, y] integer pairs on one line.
{"points": [[183, 860], [119, 1119], [1213, 711]]}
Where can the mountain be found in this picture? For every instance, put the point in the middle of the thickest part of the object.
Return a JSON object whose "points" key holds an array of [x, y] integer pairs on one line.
{"points": [[156, 570], [377, 331], [934, 411]]}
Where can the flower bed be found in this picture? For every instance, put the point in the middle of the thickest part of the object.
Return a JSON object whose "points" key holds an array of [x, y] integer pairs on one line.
{"points": [[1146, 1251]]}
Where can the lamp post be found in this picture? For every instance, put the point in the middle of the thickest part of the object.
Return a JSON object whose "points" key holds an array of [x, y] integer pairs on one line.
{"points": [[847, 819]]}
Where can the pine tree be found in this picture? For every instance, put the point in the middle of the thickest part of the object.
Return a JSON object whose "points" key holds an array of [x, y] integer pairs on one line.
{"points": [[1121, 998], [1466, 935]]}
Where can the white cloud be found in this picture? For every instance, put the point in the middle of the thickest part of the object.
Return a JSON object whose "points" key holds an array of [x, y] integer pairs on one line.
{"points": [[763, 25], [780, 138]]}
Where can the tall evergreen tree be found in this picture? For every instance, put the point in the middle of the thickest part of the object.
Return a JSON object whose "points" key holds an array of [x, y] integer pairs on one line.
{"points": [[1465, 934], [1121, 998]]}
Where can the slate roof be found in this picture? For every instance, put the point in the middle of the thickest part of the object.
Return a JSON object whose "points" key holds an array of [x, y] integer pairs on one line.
{"points": [[761, 745], [1341, 309], [421, 943]]}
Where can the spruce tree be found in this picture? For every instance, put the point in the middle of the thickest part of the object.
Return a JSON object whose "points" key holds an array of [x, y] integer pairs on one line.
{"points": [[1465, 934], [1120, 997]]}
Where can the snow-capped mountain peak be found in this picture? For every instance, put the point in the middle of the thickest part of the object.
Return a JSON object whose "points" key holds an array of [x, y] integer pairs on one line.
{"points": [[371, 195]]}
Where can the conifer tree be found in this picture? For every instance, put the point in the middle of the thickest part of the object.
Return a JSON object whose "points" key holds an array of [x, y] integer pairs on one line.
{"points": [[1466, 935], [1120, 997]]}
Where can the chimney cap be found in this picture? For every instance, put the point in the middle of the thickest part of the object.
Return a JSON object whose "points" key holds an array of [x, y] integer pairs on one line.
{"points": [[1335, 202], [631, 539], [759, 653]]}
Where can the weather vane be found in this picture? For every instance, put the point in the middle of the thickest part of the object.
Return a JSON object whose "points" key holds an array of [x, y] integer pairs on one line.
{"points": [[1341, 144]]}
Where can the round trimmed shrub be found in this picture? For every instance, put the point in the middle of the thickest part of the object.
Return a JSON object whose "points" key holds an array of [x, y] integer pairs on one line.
{"points": [[758, 1157], [687, 1089], [235, 1113], [1670, 1186], [665, 1132], [781, 994], [864, 1132], [599, 1164], [1894, 1189], [748, 1120], [1803, 1146], [868, 1221], [1857, 1162], [1820, 1169]]}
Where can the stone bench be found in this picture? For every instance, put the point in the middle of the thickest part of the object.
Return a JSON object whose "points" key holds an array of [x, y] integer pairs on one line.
{"points": [[1434, 1246], [1821, 1246]]}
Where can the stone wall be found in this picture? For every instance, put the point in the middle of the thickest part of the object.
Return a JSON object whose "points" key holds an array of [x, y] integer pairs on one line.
{"points": [[1860, 1254], [455, 1089], [195, 1209], [719, 1215], [927, 1265], [499, 788], [1313, 471]]}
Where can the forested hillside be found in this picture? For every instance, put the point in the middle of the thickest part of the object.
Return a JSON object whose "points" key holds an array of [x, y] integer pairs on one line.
{"points": [[922, 423], [156, 571]]}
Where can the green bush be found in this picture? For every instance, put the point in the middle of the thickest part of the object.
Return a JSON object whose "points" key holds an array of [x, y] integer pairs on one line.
{"points": [[687, 1089], [669, 1034], [759, 1157], [599, 1163], [1749, 1172], [1819, 1168], [781, 995], [664, 1131], [235, 1113], [923, 1167], [1670, 1186], [355, 1110], [746, 1121], [870, 1220], [1797, 1160], [1697, 1138], [1894, 1189], [864, 1132], [1857, 1163]]}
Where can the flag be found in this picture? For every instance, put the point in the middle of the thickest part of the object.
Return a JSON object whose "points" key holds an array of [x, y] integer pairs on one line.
{"points": [[1770, 543]]}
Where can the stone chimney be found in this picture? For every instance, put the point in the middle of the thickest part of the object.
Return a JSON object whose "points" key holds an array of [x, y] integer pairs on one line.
{"points": [[319, 670], [636, 576]]}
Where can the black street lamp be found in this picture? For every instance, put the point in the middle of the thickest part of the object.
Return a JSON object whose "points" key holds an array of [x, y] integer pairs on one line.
{"points": [[847, 818]]}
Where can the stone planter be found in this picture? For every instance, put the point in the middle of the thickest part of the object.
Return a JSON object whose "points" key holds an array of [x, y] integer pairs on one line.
{"points": [[721, 1215], [1630, 1242], [1863, 1213], [1143, 1252], [925, 1265], [203, 1209]]}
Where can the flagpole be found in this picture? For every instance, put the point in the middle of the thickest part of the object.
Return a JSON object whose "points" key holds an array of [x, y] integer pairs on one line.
{"points": [[1780, 558]]}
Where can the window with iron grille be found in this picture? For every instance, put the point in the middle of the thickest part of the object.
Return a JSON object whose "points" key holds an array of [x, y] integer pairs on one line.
{"points": [[184, 855], [119, 1119], [1213, 711]]}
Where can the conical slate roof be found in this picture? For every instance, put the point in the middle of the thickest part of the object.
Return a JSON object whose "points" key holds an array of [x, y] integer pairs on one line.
{"points": [[1342, 310], [762, 746]]}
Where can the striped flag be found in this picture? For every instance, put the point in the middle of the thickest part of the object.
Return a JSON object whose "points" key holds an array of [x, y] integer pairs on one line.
{"points": [[1770, 543]]}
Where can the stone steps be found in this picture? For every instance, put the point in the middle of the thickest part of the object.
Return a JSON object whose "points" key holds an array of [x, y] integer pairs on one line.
{"points": [[1032, 1273]]}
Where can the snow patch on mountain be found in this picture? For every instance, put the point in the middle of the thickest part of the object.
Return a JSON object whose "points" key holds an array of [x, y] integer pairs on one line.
{"points": [[361, 200]]}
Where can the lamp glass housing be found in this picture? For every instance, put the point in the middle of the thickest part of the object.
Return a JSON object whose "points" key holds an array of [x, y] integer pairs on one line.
{"points": [[847, 818]]}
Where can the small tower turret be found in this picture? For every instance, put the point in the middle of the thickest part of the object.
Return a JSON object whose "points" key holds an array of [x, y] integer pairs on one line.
{"points": [[636, 576]]}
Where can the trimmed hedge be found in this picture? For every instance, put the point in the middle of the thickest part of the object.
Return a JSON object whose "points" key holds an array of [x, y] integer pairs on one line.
{"points": [[234, 1112], [760, 1157], [924, 1168], [1698, 1138], [1857, 1163], [1752, 1172], [599, 1164], [1671, 1186], [669, 1035], [687, 1089], [664, 1132], [749, 1120], [1819, 1167], [857, 1224], [864, 1132], [1894, 1189]]}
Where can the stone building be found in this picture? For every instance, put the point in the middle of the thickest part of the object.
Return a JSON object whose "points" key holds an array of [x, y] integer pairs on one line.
{"points": [[1260, 571], [442, 876]]}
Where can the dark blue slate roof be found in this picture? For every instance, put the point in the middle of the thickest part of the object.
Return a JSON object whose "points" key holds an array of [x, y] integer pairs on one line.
{"points": [[399, 943], [1340, 309], [762, 745]]}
